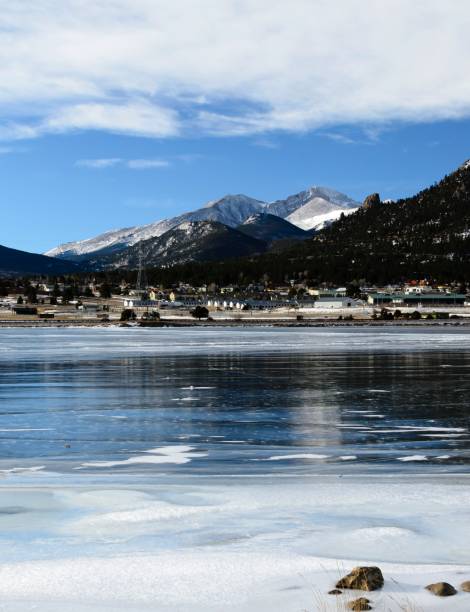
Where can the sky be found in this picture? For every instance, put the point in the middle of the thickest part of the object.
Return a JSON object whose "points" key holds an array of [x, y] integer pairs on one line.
{"points": [[116, 113]]}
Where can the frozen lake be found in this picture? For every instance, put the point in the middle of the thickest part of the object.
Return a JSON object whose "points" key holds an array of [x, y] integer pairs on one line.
{"points": [[234, 469]]}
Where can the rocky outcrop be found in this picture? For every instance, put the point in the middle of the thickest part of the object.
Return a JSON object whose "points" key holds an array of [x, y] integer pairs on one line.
{"points": [[362, 579], [442, 589], [359, 604], [372, 200]]}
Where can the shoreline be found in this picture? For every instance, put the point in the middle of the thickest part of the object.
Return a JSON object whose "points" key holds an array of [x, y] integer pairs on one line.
{"points": [[183, 323]]}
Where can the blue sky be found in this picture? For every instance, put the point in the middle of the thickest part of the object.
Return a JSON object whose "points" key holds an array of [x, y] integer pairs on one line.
{"points": [[50, 197], [118, 114]]}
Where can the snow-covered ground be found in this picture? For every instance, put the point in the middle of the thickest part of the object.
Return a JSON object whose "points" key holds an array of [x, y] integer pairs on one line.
{"points": [[260, 544]]}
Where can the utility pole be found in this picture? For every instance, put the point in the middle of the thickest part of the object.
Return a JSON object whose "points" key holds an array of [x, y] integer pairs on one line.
{"points": [[141, 277]]}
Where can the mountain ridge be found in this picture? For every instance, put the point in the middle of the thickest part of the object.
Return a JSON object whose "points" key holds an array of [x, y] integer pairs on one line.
{"points": [[270, 228], [424, 237], [190, 241], [231, 210], [14, 262]]}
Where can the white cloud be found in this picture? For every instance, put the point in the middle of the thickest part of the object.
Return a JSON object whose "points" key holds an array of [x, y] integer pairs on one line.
{"points": [[338, 137], [106, 162], [145, 164], [133, 164], [158, 69], [134, 118], [266, 143]]}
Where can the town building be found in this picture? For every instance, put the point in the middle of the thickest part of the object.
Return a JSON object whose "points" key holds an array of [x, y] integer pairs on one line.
{"points": [[416, 299], [336, 302]]}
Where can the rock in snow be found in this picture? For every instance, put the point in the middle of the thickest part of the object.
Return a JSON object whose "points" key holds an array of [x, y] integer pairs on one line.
{"points": [[359, 604], [465, 586], [442, 589], [362, 579]]}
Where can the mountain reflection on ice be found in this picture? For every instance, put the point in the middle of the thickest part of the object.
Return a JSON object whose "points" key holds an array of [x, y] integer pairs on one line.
{"points": [[86, 399]]}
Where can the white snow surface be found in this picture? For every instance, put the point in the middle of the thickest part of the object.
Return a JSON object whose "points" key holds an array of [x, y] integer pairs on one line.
{"points": [[231, 210], [306, 217], [250, 545]]}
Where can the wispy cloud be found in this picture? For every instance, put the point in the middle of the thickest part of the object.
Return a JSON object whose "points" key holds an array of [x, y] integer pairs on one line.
{"points": [[357, 135], [374, 132], [146, 164], [189, 158], [107, 162], [160, 69], [132, 164], [338, 137], [266, 143]]}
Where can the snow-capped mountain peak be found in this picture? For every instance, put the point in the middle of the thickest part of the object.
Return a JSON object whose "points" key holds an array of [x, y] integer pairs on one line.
{"points": [[301, 209], [321, 200], [230, 210], [313, 208]]}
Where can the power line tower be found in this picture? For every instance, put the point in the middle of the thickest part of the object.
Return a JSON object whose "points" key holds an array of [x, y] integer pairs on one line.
{"points": [[141, 284]]}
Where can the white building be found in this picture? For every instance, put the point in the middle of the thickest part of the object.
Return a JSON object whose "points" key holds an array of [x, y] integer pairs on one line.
{"points": [[336, 302], [417, 289]]}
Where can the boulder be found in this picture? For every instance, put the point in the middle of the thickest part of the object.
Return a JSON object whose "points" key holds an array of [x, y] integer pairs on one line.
{"points": [[442, 589], [362, 579], [335, 592], [465, 586], [359, 604]]}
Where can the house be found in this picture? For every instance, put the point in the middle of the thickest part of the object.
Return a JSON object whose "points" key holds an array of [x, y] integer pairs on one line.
{"points": [[326, 293], [417, 289]]}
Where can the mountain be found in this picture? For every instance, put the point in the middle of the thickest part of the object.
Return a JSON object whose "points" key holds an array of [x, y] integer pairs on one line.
{"points": [[230, 210], [270, 228], [21, 263], [313, 208], [425, 236], [190, 241], [309, 209]]}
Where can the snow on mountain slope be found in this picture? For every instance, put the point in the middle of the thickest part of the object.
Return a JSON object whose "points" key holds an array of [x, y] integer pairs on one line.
{"points": [[232, 210], [108, 240], [320, 199], [316, 214], [205, 240]]}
